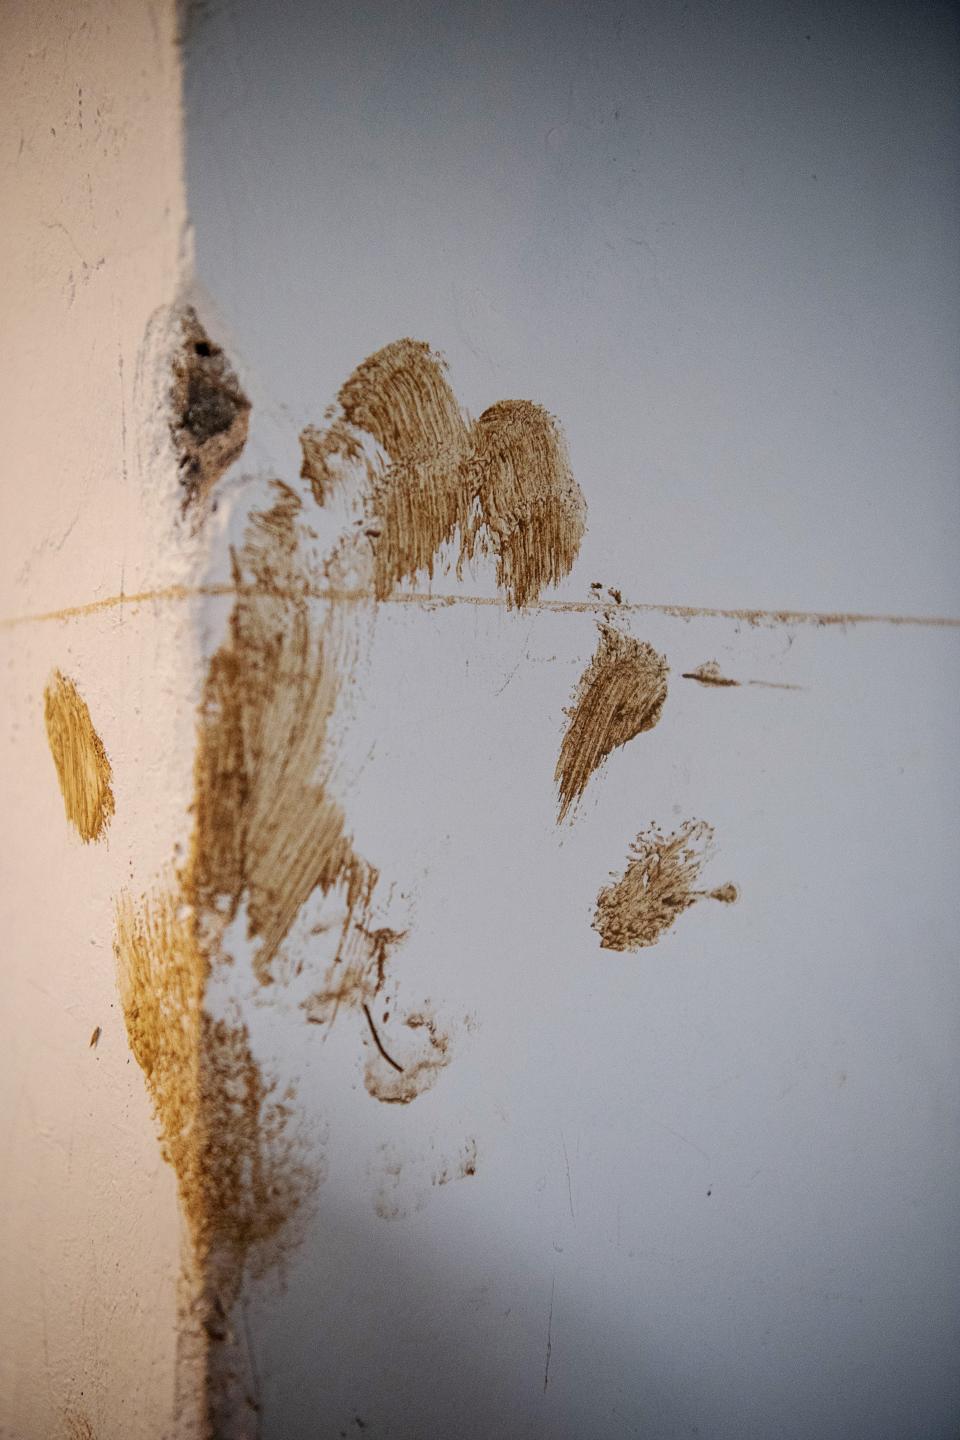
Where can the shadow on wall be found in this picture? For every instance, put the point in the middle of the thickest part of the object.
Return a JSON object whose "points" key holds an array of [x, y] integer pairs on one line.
{"points": [[381, 1336]]}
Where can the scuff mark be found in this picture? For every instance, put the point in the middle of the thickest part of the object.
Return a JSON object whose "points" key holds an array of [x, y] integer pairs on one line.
{"points": [[566, 1161], [78, 1426], [620, 694], [546, 1367], [465, 1167], [708, 674], [659, 883], [80, 758], [210, 414], [421, 1066]]}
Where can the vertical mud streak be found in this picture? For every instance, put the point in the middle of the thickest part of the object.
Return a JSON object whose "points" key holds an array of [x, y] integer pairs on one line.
{"points": [[658, 884], [266, 828], [86, 779], [620, 694], [242, 1177]]}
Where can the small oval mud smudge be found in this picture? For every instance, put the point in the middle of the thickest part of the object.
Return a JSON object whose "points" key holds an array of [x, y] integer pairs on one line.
{"points": [[620, 694], [82, 766]]}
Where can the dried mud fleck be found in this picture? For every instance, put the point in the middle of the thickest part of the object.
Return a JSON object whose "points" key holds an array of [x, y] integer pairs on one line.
{"points": [[620, 694], [709, 674], [86, 779], [465, 1167], [658, 885], [210, 414]]}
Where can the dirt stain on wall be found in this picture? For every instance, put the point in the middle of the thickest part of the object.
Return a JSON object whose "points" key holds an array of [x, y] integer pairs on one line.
{"points": [[82, 766], [659, 883], [709, 673], [210, 414], [267, 831], [399, 1078], [620, 694], [500, 486], [240, 1175]]}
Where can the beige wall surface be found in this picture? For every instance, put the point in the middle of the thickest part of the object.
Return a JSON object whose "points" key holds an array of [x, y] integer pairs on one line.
{"points": [[91, 249]]}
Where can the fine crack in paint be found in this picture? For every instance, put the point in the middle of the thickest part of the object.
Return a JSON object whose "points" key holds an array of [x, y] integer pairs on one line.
{"points": [[658, 885], [79, 756], [620, 694]]}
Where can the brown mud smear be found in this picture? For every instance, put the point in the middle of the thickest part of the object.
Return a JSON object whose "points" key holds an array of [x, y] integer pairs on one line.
{"points": [[239, 1173], [462, 1170], [82, 766], [503, 484], [708, 674], [658, 884], [77, 1426], [242, 1176], [620, 694], [411, 1068], [210, 414], [266, 830]]}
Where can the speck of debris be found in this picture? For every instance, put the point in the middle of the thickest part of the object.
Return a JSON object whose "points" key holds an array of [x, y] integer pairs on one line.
{"points": [[94, 1038]]}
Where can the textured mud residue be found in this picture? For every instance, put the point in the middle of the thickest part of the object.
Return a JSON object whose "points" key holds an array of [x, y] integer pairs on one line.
{"points": [[709, 673], [240, 1176], [501, 486], [464, 1167], [77, 1426], [210, 414], [82, 765], [659, 883], [267, 831], [410, 1068], [619, 695]]}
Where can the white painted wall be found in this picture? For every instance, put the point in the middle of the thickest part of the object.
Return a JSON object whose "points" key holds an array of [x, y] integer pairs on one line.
{"points": [[716, 1181], [90, 247]]}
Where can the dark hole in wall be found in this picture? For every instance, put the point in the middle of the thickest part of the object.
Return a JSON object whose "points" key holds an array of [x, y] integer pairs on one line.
{"points": [[210, 414]]}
